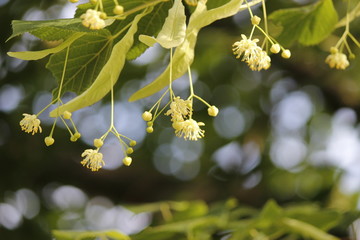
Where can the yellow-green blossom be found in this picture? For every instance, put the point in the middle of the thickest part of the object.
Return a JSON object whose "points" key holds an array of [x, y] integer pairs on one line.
{"points": [[93, 159], [337, 60], [91, 19], [190, 130], [179, 109], [251, 53], [30, 124]]}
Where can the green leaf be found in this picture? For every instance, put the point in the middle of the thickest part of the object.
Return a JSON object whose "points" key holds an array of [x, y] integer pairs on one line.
{"points": [[36, 55], [87, 56], [173, 31], [116, 235], [157, 206], [186, 225], [324, 219], [270, 214], [184, 53], [79, 235], [108, 75], [307, 230], [193, 210], [149, 25], [50, 30], [309, 24]]}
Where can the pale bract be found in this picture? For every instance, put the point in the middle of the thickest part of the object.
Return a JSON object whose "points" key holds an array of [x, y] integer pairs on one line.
{"points": [[173, 31]]}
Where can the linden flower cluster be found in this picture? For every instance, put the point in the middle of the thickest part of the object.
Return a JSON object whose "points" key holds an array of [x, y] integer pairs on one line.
{"points": [[337, 59], [181, 117], [253, 55], [94, 19], [180, 112], [31, 124], [91, 19], [93, 159], [248, 50]]}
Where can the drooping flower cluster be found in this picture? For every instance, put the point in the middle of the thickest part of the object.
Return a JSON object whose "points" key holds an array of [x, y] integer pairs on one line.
{"points": [[181, 112], [181, 117], [179, 109], [30, 124], [91, 19], [248, 50], [337, 60], [251, 53]]}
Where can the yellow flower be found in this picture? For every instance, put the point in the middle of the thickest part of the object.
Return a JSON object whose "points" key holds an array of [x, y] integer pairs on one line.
{"points": [[213, 111], [179, 109], [190, 130], [93, 159], [248, 47], [337, 60], [30, 124], [91, 19], [253, 55], [260, 61]]}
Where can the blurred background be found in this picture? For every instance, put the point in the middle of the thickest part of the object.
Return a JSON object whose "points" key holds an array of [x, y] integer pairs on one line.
{"points": [[290, 133]]}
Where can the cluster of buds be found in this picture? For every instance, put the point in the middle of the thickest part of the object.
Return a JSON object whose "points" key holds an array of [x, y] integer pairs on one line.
{"points": [[337, 59]]}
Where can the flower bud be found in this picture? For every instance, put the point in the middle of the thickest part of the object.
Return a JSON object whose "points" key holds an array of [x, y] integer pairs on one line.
{"points": [[98, 142], [73, 1], [129, 150], [275, 48], [147, 116], [103, 15], [132, 143], [127, 161], [77, 135], [67, 115], [118, 10], [286, 53], [213, 111], [49, 141], [93, 2], [255, 20], [177, 125], [149, 129], [333, 50]]}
